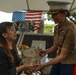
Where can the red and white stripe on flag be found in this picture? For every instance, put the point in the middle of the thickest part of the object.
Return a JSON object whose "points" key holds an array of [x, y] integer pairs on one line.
{"points": [[35, 16]]}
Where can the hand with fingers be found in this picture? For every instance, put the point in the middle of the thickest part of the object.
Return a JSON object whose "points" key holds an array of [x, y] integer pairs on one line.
{"points": [[42, 53], [38, 67], [29, 67]]}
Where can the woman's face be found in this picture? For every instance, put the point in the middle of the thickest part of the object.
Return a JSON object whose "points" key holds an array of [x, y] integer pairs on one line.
{"points": [[58, 18], [11, 34]]}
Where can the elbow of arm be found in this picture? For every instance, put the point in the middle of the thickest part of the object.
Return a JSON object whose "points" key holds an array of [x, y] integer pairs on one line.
{"points": [[63, 57]]}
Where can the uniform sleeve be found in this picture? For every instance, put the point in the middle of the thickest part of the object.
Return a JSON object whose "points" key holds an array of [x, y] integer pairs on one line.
{"points": [[55, 34], [69, 41], [5, 68]]}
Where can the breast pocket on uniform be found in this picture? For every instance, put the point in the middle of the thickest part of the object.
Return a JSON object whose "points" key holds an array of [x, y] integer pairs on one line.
{"points": [[61, 37]]}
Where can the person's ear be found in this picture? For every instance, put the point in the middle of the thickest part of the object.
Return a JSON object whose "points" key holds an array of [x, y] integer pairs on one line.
{"points": [[4, 35]]}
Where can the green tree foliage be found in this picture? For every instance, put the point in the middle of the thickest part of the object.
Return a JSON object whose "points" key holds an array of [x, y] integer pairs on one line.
{"points": [[48, 29]]}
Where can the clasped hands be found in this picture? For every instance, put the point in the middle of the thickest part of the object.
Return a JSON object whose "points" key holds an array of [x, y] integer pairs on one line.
{"points": [[37, 67]]}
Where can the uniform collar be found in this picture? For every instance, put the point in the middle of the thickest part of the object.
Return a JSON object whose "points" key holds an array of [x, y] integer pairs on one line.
{"points": [[63, 26]]}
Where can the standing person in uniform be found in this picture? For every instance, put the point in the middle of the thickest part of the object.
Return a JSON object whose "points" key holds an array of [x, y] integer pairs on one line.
{"points": [[65, 44], [9, 60]]}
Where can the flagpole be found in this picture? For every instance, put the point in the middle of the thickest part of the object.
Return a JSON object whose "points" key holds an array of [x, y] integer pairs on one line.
{"points": [[27, 5], [72, 5]]}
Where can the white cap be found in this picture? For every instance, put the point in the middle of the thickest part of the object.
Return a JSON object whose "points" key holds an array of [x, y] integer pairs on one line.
{"points": [[57, 4]]}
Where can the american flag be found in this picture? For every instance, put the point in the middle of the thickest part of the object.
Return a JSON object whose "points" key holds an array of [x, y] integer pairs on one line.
{"points": [[34, 16], [18, 16]]}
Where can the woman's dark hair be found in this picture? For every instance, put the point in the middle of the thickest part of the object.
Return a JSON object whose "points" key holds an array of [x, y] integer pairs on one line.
{"points": [[4, 26], [67, 13], [3, 29]]}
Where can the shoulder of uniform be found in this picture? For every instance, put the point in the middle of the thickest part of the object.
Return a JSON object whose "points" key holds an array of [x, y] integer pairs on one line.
{"points": [[56, 27]]}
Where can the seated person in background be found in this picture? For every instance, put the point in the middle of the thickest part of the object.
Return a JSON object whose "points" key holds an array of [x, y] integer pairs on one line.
{"points": [[9, 60]]}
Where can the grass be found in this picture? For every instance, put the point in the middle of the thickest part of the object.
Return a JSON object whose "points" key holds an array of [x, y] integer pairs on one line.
{"points": [[48, 29]]}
